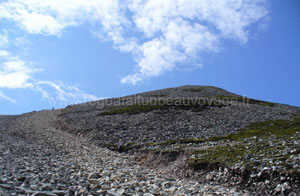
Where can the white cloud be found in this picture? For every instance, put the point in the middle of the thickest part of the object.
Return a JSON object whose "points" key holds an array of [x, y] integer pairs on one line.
{"points": [[22, 42], [37, 17], [31, 16], [180, 42], [4, 53], [50, 17], [17, 74], [3, 39], [167, 33], [180, 31], [63, 93], [3, 96]]}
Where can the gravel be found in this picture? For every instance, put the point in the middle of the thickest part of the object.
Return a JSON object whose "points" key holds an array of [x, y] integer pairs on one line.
{"points": [[62, 152], [38, 159]]}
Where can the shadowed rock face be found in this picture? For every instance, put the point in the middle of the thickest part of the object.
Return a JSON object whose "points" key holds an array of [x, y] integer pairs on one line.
{"points": [[174, 113]]}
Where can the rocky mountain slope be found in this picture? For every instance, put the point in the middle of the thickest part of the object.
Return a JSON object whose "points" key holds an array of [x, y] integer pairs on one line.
{"points": [[189, 140], [175, 113], [41, 160]]}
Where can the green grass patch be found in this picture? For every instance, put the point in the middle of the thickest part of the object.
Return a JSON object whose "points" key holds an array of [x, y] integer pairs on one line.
{"points": [[163, 104], [251, 156], [199, 103], [267, 143], [222, 154], [277, 128], [181, 141], [193, 90], [133, 109], [131, 146], [245, 100], [261, 130], [167, 142], [158, 95]]}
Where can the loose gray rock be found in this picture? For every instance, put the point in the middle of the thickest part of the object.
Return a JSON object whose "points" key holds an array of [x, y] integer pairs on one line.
{"points": [[45, 194]]}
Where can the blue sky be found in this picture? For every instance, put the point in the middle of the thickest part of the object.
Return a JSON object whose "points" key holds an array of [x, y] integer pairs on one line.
{"points": [[54, 53]]}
